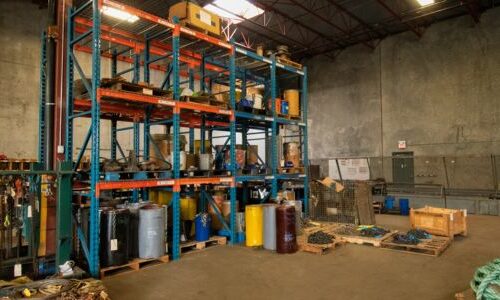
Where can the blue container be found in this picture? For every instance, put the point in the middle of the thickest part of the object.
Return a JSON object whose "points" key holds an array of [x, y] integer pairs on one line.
{"points": [[404, 207], [389, 202], [202, 227], [284, 107]]}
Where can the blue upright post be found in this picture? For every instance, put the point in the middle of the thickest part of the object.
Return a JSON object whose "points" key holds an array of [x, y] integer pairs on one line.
{"points": [[135, 192], [274, 132], [202, 201], [305, 142], [176, 158], [94, 161], [244, 141], [68, 147], [232, 124], [191, 77], [42, 99], [137, 66], [114, 63], [202, 72], [114, 124], [244, 85], [146, 59]]}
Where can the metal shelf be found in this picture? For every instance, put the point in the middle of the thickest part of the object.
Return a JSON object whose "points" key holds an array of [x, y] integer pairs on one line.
{"points": [[158, 44]]}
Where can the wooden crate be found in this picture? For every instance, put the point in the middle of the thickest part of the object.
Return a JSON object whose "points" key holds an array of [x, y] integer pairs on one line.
{"points": [[134, 265], [16, 164], [365, 240], [440, 221], [190, 247], [432, 247]]}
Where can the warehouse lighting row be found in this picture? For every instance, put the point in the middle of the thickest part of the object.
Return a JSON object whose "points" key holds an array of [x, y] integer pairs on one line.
{"points": [[233, 10], [119, 14]]}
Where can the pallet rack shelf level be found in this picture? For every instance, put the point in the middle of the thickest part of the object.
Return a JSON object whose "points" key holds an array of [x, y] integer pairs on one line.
{"points": [[205, 58]]}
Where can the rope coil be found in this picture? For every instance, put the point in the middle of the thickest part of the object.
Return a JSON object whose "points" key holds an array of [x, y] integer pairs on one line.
{"points": [[486, 282]]}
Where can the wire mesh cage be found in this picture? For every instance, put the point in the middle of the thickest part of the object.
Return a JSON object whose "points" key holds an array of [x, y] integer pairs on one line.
{"points": [[328, 205]]}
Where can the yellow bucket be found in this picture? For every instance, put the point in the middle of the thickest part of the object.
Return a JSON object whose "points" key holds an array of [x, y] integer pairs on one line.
{"points": [[253, 223], [292, 96], [188, 208]]}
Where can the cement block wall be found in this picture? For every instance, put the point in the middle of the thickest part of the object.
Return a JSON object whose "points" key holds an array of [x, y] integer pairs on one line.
{"points": [[439, 93]]}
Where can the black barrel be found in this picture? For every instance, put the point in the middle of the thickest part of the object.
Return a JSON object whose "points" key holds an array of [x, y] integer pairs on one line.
{"points": [[286, 237], [114, 247], [133, 237]]}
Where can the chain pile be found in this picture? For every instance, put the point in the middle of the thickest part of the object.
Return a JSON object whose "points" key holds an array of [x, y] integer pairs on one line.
{"points": [[372, 231], [320, 237], [347, 229], [412, 237]]}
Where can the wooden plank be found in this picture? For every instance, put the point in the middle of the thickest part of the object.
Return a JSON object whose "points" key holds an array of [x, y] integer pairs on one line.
{"points": [[432, 247]]}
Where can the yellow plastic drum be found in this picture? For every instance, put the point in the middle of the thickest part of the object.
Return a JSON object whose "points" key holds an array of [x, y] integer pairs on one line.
{"points": [[253, 223], [292, 96], [164, 197], [188, 208]]}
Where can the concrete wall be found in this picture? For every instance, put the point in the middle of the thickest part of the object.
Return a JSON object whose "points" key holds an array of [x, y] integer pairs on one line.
{"points": [[439, 93], [21, 24]]}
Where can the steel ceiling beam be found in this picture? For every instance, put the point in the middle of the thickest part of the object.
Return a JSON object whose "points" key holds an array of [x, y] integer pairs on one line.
{"points": [[356, 18], [397, 16], [276, 11], [339, 28], [241, 25]]}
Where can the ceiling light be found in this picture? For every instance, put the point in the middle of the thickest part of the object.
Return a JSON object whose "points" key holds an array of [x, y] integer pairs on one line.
{"points": [[425, 2], [119, 14], [234, 10]]}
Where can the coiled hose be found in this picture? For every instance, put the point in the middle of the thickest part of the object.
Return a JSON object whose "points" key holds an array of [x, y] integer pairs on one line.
{"points": [[485, 278]]}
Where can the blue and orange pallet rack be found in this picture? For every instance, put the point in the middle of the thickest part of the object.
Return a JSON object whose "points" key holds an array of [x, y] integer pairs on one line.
{"points": [[208, 60]]}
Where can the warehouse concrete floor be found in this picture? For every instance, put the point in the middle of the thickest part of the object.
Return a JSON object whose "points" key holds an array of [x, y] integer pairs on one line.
{"points": [[349, 272]]}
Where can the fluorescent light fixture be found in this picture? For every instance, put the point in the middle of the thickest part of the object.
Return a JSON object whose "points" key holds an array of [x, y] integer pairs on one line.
{"points": [[232, 10], [425, 2], [119, 14]]}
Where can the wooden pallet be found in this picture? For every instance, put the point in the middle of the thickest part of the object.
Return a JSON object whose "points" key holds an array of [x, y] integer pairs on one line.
{"points": [[293, 170], [432, 247], [190, 247], [134, 265], [16, 164], [136, 88], [365, 240], [289, 62], [205, 100], [318, 248]]}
